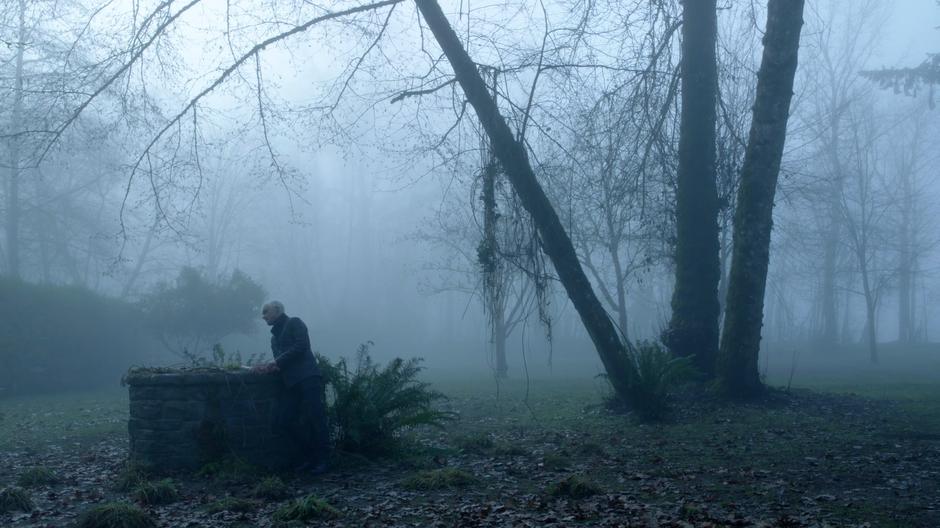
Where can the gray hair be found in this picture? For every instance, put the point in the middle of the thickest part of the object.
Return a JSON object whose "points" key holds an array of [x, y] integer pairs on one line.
{"points": [[277, 306]]}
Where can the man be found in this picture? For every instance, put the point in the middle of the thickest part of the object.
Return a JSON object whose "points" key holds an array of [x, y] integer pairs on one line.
{"points": [[301, 413]]}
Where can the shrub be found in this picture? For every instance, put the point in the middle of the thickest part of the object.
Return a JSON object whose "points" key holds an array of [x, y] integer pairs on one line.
{"points": [[371, 405], [271, 488], [309, 508], [652, 374], [115, 515], [37, 476], [556, 462], [438, 479], [15, 499], [233, 504], [156, 492], [38, 322], [129, 477], [574, 487], [196, 311]]}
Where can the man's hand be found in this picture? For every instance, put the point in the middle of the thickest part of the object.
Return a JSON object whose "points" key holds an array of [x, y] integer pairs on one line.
{"points": [[265, 368]]}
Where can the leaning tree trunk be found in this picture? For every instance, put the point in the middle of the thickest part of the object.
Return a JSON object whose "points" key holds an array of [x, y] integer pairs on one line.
{"points": [[514, 161], [753, 221], [693, 329]]}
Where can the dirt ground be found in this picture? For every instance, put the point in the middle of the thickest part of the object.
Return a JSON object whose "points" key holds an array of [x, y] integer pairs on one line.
{"points": [[798, 458]]}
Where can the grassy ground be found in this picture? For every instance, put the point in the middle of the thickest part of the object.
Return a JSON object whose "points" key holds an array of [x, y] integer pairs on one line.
{"points": [[842, 454]]}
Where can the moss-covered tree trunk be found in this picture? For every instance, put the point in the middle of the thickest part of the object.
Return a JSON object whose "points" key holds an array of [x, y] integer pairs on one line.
{"points": [[514, 161], [693, 329], [753, 221]]}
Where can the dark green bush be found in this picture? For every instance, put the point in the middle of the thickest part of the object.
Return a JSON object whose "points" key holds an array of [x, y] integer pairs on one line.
{"points": [[652, 374], [152, 493], [309, 508], [65, 337], [15, 499], [271, 488], [194, 312], [574, 487], [37, 476], [439, 479], [233, 504], [372, 405], [115, 515]]}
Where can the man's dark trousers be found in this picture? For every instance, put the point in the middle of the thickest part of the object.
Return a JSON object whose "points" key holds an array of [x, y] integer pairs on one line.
{"points": [[301, 417]]}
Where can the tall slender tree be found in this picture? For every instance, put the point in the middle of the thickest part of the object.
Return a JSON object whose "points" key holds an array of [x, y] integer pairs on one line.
{"points": [[693, 329], [753, 222]]}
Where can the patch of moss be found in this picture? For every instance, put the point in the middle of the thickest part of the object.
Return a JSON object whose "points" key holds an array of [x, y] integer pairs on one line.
{"points": [[115, 515], [15, 499], [37, 476], [574, 487], [474, 443], [271, 488], [438, 479], [157, 492], [309, 508], [233, 504]]}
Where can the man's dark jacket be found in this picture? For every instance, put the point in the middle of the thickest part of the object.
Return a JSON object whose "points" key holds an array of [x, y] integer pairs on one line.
{"points": [[290, 344]]}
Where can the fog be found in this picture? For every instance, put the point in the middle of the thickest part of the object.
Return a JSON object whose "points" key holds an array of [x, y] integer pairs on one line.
{"points": [[340, 169]]}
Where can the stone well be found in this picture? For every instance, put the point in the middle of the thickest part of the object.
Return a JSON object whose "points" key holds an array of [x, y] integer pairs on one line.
{"points": [[184, 419]]}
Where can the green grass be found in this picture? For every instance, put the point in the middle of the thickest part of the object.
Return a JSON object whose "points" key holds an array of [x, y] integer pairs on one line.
{"points": [[306, 509], [15, 499], [115, 515], [574, 487], [36, 476], [271, 488], [439, 479], [233, 504], [37, 421], [154, 493]]}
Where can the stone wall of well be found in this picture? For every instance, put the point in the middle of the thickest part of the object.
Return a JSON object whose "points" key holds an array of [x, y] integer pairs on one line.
{"points": [[185, 419]]}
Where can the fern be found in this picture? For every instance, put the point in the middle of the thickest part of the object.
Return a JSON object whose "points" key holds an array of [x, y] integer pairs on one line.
{"points": [[372, 405], [652, 374]]}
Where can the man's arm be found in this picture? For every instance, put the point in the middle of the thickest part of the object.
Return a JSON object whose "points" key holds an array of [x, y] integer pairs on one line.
{"points": [[296, 341]]}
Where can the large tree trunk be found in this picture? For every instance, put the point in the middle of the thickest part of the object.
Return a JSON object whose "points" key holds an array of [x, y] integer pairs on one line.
{"points": [[693, 329], [753, 222], [514, 161], [13, 181]]}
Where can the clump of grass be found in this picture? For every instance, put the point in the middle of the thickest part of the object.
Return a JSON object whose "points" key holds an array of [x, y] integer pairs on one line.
{"points": [[233, 504], [574, 487], [591, 449], [156, 492], [475, 443], [15, 499], [509, 450], [37, 476], [556, 462], [129, 477], [309, 508], [115, 515], [229, 471], [438, 479], [271, 488]]}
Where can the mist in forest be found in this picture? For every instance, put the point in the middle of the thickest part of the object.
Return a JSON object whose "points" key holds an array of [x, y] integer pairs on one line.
{"points": [[165, 175]]}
